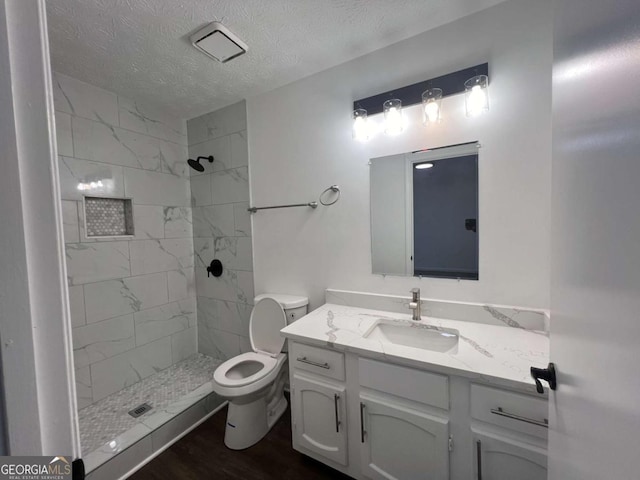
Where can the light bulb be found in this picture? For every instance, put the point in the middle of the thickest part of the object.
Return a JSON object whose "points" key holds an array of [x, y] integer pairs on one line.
{"points": [[477, 100], [422, 166], [432, 111], [393, 121], [477, 95], [360, 125], [431, 105]]}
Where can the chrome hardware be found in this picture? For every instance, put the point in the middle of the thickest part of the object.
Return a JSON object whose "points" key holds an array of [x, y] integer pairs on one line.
{"points": [[541, 423], [333, 188], [315, 364], [479, 458], [336, 397], [310, 204], [415, 304], [362, 431]]}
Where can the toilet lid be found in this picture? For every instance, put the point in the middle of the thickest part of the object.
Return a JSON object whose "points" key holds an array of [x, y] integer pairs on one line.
{"points": [[267, 319]]}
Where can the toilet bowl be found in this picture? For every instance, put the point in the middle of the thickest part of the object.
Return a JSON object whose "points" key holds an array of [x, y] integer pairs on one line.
{"points": [[253, 382]]}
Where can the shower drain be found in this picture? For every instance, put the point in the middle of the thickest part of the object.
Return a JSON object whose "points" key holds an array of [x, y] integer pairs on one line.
{"points": [[140, 410]]}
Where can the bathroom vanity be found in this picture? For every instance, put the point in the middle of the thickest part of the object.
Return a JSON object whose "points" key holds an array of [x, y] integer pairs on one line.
{"points": [[378, 396]]}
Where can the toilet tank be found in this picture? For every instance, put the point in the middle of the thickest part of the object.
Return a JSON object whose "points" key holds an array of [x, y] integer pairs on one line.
{"points": [[294, 306]]}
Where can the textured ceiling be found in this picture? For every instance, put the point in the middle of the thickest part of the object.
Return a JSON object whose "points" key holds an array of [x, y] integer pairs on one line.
{"points": [[140, 49]]}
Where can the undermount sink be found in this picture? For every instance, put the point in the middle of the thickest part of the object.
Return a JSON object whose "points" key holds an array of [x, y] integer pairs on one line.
{"points": [[415, 335]]}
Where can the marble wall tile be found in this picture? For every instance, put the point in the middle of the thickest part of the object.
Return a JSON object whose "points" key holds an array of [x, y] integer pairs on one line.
{"points": [[178, 222], [235, 286], [245, 344], [138, 152], [83, 100], [93, 262], [173, 158], [101, 142], [203, 251], [224, 315], [182, 284], [115, 373], [125, 295], [184, 344], [213, 221], [144, 119], [64, 139], [101, 340], [74, 172], [217, 343], [76, 306], [164, 320], [220, 148], [242, 219], [200, 190], [148, 221], [216, 124], [155, 188], [84, 392], [70, 221], [235, 253], [230, 186], [150, 256], [239, 149]]}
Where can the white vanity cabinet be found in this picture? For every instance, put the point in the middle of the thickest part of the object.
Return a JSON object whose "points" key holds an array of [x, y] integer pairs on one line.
{"points": [[378, 420], [400, 442], [318, 411], [501, 458]]}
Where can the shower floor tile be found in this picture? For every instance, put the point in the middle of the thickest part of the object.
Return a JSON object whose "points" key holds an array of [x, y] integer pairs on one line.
{"points": [[169, 392]]}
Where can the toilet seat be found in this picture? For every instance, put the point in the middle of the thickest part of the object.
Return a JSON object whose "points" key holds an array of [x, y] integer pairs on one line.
{"points": [[247, 369], [222, 374]]}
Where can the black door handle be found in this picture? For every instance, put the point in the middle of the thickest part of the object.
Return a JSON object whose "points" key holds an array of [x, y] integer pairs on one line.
{"points": [[547, 374]]}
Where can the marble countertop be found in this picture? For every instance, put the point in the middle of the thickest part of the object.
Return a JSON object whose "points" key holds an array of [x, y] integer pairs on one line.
{"points": [[499, 355]]}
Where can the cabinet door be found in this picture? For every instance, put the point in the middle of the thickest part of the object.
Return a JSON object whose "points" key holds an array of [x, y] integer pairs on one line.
{"points": [[319, 418], [400, 443], [501, 458]]}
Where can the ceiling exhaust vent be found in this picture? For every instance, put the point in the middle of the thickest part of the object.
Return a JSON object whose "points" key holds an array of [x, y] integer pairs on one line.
{"points": [[218, 42]]}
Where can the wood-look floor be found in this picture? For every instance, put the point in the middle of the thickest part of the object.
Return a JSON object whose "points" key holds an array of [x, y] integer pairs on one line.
{"points": [[202, 455]]}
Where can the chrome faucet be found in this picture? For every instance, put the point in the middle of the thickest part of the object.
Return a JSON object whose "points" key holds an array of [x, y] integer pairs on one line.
{"points": [[415, 304]]}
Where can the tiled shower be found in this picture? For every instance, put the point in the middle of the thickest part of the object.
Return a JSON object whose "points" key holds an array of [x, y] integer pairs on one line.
{"points": [[149, 325]]}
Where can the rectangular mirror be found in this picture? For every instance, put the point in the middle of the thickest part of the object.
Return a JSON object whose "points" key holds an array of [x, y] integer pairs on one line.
{"points": [[424, 213]]}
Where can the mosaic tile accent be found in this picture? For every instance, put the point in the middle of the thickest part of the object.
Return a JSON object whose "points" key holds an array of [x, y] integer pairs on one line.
{"points": [[105, 420], [108, 217]]}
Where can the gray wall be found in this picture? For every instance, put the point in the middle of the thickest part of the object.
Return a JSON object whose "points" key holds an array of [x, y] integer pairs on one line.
{"points": [[222, 230], [132, 298]]}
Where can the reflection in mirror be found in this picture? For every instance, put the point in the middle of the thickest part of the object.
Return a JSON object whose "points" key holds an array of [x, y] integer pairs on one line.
{"points": [[424, 213]]}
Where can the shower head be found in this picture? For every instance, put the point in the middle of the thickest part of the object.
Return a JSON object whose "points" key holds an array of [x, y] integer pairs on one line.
{"points": [[196, 165]]}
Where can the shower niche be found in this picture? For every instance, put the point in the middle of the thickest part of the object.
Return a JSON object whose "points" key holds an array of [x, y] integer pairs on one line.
{"points": [[108, 217]]}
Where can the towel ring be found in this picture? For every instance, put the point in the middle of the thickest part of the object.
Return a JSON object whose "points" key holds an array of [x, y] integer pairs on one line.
{"points": [[332, 188]]}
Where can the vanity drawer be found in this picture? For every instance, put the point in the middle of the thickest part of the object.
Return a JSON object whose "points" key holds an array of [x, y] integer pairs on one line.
{"points": [[522, 413], [318, 360], [417, 385]]}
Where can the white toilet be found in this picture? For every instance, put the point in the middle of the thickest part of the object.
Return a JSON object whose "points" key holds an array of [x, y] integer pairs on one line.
{"points": [[253, 382]]}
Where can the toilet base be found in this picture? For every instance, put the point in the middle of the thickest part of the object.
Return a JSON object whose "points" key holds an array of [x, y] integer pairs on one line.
{"points": [[248, 423]]}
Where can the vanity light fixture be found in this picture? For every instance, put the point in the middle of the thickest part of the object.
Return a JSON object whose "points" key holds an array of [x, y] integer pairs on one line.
{"points": [[472, 81], [393, 120], [360, 125], [431, 105], [476, 95]]}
